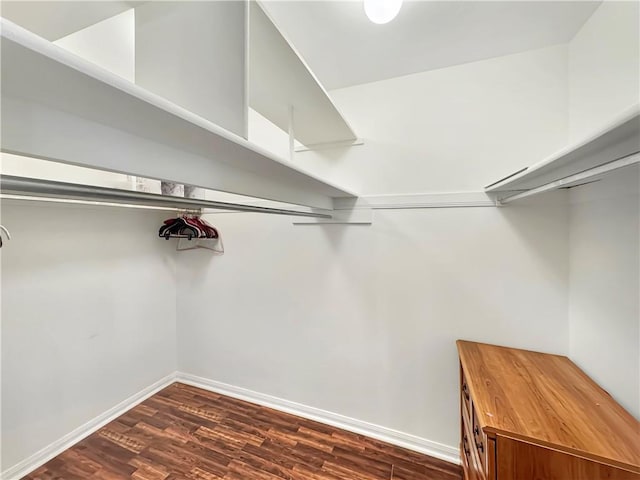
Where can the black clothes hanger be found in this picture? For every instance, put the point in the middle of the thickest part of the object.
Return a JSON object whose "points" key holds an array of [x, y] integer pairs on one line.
{"points": [[192, 232], [180, 228]]}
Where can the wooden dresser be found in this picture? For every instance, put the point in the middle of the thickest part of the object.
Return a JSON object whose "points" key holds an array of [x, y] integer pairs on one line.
{"points": [[534, 416]]}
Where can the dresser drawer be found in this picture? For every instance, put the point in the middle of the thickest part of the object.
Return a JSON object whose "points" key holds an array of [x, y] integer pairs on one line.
{"points": [[467, 460], [464, 391], [479, 440], [477, 449], [473, 467]]}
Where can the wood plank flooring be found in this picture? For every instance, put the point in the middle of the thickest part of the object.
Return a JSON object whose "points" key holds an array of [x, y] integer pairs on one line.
{"points": [[187, 433]]}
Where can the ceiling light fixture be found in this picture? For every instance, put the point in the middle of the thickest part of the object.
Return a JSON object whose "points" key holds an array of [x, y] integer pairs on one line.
{"points": [[382, 11]]}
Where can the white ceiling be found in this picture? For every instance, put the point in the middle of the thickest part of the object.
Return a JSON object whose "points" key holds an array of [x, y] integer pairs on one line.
{"points": [[344, 48]]}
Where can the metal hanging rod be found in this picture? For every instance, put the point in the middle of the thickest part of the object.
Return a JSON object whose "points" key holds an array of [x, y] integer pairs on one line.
{"points": [[29, 188], [578, 177]]}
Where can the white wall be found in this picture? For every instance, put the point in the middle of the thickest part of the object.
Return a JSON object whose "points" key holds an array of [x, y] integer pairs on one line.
{"points": [[604, 67], [454, 129], [88, 294], [35, 168], [269, 136], [109, 43], [604, 295], [362, 321], [193, 54], [88, 317], [604, 315]]}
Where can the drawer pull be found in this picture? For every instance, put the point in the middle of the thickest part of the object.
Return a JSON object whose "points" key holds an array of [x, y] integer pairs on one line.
{"points": [[480, 446], [465, 390], [467, 452], [476, 430]]}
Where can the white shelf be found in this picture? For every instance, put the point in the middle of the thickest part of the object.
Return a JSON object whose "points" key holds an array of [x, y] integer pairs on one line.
{"points": [[280, 79], [57, 106], [615, 142]]}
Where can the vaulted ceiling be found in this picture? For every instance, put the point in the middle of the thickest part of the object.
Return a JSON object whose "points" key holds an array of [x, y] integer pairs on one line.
{"points": [[344, 48]]}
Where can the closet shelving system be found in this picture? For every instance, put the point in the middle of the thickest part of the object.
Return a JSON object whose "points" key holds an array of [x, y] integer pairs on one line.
{"points": [[58, 106], [279, 77], [616, 145]]}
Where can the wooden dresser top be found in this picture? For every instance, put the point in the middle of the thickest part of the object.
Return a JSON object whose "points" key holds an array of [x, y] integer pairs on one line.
{"points": [[547, 400]]}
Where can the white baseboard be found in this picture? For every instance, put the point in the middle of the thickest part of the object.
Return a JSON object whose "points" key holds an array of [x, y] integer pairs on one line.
{"points": [[388, 435], [50, 451], [394, 437]]}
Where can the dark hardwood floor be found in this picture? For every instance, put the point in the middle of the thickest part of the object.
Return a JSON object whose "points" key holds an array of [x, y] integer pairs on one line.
{"points": [[184, 432]]}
